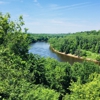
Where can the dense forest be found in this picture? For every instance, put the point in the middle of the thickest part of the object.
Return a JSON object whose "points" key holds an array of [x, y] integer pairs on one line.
{"points": [[25, 76], [82, 44]]}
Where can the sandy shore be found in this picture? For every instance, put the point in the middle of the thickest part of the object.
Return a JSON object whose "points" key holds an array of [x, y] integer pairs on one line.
{"points": [[70, 55]]}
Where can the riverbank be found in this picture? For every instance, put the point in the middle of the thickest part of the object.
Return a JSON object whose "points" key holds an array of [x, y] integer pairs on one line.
{"points": [[74, 56]]}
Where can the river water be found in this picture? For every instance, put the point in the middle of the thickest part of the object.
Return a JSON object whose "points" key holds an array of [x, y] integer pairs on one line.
{"points": [[43, 49]]}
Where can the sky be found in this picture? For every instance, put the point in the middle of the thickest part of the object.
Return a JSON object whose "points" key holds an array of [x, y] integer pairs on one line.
{"points": [[55, 16]]}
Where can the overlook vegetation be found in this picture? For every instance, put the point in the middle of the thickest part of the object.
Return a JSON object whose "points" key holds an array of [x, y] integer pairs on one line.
{"points": [[25, 76]]}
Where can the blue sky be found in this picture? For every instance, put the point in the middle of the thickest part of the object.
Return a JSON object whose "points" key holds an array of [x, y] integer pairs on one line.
{"points": [[55, 16]]}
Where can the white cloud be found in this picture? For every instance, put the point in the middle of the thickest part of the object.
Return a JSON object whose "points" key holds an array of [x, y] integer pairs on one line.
{"points": [[1, 2], [33, 23], [35, 1], [57, 7], [54, 26], [26, 15], [57, 22], [21, 1]]}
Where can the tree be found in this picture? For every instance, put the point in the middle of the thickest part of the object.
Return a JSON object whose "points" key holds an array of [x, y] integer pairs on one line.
{"points": [[11, 35], [98, 58], [41, 93], [87, 91], [84, 70]]}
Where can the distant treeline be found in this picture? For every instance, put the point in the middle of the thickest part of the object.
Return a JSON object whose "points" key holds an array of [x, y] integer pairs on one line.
{"points": [[82, 40], [43, 37]]}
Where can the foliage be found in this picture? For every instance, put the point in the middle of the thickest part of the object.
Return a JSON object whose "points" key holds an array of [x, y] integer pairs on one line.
{"points": [[58, 75], [41, 93], [43, 37], [83, 71], [98, 58], [87, 91], [80, 44]]}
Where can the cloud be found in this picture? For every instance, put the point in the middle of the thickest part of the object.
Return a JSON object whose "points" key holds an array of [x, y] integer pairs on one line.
{"points": [[54, 26], [33, 23], [57, 7], [26, 17], [21, 1], [35, 1], [1, 2], [57, 22]]}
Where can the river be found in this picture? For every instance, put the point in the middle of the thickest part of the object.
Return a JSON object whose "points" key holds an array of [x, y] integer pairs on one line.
{"points": [[43, 49]]}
